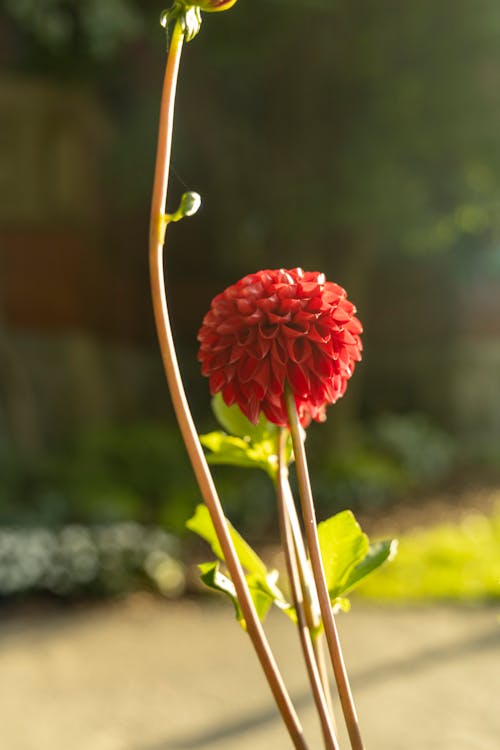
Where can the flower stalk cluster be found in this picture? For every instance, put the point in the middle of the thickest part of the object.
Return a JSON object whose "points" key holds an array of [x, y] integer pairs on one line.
{"points": [[279, 346]]}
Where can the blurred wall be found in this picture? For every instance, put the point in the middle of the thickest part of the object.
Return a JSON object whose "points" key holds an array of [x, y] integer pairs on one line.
{"points": [[359, 139], [67, 314]]}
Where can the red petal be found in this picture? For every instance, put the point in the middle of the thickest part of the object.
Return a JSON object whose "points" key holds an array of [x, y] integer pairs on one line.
{"points": [[315, 304], [237, 353], [355, 326], [217, 381], [278, 353], [263, 345], [247, 368], [269, 331], [245, 336], [229, 394], [310, 288], [228, 326], [298, 380], [299, 350], [291, 332], [254, 318], [263, 375], [245, 307], [268, 303], [323, 365], [251, 409], [275, 414], [283, 317], [319, 333], [317, 390], [289, 305]]}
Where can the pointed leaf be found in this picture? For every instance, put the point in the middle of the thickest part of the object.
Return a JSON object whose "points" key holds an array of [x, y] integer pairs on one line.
{"points": [[377, 555], [261, 597], [343, 546], [214, 579], [263, 583], [201, 524], [341, 604]]}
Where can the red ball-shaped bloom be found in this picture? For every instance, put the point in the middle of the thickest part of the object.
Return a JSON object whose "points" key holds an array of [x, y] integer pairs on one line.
{"points": [[274, 328]]}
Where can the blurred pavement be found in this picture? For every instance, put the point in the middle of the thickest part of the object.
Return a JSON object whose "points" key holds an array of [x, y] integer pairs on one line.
{"points": [[144, 675]]}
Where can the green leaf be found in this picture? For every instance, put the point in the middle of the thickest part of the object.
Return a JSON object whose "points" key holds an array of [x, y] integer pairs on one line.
{"points": [[270, 586], [232, 451], [377, 555], [262, 582], [201, 524], [232, 419], [212, 577], [343, 546], [261, 596], [248, 445], [217, 581]]}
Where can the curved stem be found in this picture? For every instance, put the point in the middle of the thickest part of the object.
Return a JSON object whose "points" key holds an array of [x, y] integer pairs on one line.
{"points": [[332, 637], [164, 147], [181, 407], [292, 564]]}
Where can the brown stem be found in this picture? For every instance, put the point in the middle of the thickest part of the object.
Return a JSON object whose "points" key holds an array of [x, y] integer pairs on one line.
{"points": [[309, 593], [181, 407], [292, 565], [319, 652], [332, 637]]}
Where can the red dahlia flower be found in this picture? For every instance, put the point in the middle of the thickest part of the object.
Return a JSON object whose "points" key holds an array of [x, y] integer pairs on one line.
{"points": [[274, 328]]}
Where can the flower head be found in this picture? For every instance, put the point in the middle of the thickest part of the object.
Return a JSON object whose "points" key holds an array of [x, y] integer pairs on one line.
{"points": [[277, 328]]}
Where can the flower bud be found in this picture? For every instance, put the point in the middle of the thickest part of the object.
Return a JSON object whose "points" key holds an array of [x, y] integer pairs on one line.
{"points": [[213, 6], [190, 203], [188, 13]]}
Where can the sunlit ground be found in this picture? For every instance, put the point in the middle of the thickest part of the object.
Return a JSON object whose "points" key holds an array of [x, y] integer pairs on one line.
{"points": [[455, 560], [139, 673], [147, 675]]}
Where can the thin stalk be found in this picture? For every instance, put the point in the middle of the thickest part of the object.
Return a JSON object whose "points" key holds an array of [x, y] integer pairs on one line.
{"points": [[332, 637], [181, 407], [312, 609], [319, 652], [310, 595], [292, 564]]}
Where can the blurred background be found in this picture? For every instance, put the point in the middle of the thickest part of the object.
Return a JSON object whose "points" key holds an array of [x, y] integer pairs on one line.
{"points": [[360, 139]]}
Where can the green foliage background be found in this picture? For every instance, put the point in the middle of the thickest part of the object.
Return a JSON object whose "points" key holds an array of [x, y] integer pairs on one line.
{"points": [[356, 138]]}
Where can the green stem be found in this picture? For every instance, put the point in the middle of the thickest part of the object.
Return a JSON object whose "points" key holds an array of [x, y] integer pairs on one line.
{"points": [[292, 563], [332, 637], [181, 407]]}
